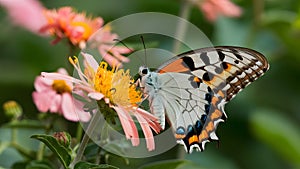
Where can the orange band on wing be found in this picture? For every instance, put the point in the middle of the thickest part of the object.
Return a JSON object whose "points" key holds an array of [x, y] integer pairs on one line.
{"points": [[179, 136], [216, 114], [176, 66], [193, 139]]}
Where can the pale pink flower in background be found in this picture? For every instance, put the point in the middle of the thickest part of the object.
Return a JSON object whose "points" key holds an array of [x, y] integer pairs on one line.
{"points": [[55, 96], [25, 13], [78, 28], [104, 40], [97, 82], [214, 8], [65, 22]]}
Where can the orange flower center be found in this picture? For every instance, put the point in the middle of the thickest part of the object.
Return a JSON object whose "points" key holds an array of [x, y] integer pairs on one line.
{"points": [[60, 86], [87, 30]]}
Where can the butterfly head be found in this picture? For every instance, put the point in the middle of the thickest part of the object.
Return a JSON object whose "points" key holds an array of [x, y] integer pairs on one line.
{"points": [[143, 70]]}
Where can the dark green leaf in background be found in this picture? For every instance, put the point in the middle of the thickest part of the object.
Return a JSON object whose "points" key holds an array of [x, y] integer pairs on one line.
{"points": [[278, 132], [86, 165], [63, 153]]}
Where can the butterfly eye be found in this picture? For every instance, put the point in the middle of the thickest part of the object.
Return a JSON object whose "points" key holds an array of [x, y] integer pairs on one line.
{"points": [[145, 71]]}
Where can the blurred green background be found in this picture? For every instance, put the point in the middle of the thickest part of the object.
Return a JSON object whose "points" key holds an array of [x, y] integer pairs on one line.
{"points": [[262, 130]]}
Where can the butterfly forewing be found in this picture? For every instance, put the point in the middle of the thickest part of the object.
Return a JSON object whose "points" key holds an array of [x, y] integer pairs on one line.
{"points": [[192, 89], [225, 68]]}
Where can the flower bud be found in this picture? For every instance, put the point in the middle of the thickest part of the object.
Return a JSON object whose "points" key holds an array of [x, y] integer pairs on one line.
{"points": [[12, 110], [63, 138]]}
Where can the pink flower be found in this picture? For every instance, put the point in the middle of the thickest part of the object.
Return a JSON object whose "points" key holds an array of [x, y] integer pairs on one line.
{"points": [[116, 88], [105, 42], [213, 8], [54, 95], [65, 23], [26, 13]]}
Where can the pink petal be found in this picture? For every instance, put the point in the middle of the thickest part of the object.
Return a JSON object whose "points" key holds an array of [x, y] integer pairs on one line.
{"points": [[83, 115], [117, 55], [128, 125], [209, 11], [228, 8], [107, 57], [96, 95], [147, 132], [62, 71], [58, 76], [42, 100], [55, 104], [67, 107], [213, 8], [26, 13], [41, 84], [91, 61], [151, 119]]}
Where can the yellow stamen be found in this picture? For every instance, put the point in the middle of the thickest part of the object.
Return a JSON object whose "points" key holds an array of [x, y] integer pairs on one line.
{"points": [[60, 86], [116, 85], [73, 60]]}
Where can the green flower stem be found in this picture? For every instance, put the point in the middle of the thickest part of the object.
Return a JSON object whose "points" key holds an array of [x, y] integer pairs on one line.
{"points": [[86, 138], [184, 13], [23, 151], [79, 132], [15, 145], [40, 152], [14, 134]]}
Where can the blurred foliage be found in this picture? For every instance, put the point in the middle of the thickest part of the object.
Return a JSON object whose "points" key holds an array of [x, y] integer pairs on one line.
{"points": [[262, 130]]}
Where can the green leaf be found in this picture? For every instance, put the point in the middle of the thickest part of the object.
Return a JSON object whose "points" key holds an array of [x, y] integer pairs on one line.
{"points": [[171, 164], [31, 124], [63, 153], [278, 132], [38, 165], [3, 146], [86, 165]]}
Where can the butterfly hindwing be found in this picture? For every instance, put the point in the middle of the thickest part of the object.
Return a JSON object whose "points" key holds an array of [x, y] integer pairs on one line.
{"points": [[192, 89]]}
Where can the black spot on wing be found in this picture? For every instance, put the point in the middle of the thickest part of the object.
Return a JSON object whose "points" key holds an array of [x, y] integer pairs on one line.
{"points": [[189, 62], [208, 97], [204, 58], [224, 65], [207, 76], [221, 55], [238, 56], [207, 108]]}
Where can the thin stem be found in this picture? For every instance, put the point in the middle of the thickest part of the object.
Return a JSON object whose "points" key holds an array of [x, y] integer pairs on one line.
{"points": [[79, 132], [258, 8], [184, 13], [14, 135], [25, 152], [14, 144], [86, 138], [40, 152]]}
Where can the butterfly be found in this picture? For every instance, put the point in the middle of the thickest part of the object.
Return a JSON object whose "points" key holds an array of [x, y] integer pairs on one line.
{"points": [[192, 88]]}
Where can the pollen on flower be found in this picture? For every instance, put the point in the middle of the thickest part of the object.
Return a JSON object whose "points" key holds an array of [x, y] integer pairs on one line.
{"points": [[73, 60], [60, 86], [116, 84]]}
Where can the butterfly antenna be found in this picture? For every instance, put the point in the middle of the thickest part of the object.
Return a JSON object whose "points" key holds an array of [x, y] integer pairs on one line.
{"points": [[118, 40], [145, 53]]}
